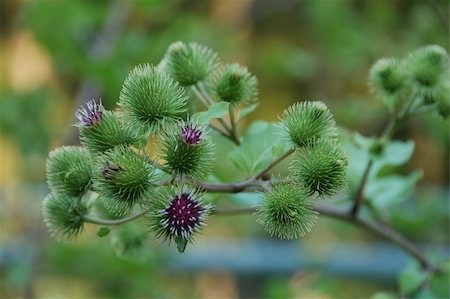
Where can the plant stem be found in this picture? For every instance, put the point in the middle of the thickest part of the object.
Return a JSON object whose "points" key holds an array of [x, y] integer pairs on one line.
{"points": [[274, 162], [207, 101], [94, 220], [234, 133], [359, 196], [358, 199], [384, 231]]}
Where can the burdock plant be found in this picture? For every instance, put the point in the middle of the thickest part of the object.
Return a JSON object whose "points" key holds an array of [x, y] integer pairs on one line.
{"points": [[168, 181]]}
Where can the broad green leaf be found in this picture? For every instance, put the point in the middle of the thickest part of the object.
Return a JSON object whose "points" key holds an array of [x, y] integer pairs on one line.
{"points": [[216, 110], [386, 191], [256, 149], [247, 110], [411, 278], [357, 146], [396, 153], [249, 199], [383, 295]]}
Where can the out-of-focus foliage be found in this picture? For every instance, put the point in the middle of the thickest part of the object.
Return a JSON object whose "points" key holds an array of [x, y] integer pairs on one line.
{"points": [[57, 55]]}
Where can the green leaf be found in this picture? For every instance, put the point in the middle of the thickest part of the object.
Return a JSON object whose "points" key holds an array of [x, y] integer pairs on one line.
{"points": [[357, 146], [411, 278], [256, 150], [247, 110], [216, 110], [396, 153], [383, 295], [103, 231], [386, 191], [247, 199], [181, 244]]}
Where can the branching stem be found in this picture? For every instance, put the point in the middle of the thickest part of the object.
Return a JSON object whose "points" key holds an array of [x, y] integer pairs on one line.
{"points": [[201, 93], [274, 162]]}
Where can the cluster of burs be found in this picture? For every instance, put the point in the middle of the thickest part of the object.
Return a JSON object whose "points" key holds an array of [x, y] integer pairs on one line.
{"points": [[113, 175]]}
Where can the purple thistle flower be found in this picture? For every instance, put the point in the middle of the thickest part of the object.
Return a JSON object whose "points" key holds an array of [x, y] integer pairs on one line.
{"points": [[190, 134], [109, 170], [183, 216], [89, 115]]}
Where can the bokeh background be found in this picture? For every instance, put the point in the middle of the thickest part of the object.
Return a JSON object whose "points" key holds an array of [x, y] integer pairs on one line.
{"points": [[56, 54]]}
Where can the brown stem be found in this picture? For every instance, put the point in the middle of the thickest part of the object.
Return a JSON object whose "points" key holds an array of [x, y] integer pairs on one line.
{"points": [[274, 162], [359, 196], [383, 231]]}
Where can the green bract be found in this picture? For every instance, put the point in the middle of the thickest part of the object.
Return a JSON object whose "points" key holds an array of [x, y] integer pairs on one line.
{"points": [[306, 121], [189, 63], [151, 98], [235, 84], [287, 212], [107, 133], [63, 215], [388, 79], [122, 179], [69, 170], [428, 67], [187, 150], [320, 167]]}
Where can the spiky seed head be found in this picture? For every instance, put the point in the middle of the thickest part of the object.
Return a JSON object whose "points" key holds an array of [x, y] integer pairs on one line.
{"points": [[176, 213], [235, 84], [151, 98], [107, 132], [287, 212], [122, 179], [188, 150], [320, 167], [63, 215], [90, 114], [189, 63], [308, 120], [69, 170], [389, 80], [428, 66]]}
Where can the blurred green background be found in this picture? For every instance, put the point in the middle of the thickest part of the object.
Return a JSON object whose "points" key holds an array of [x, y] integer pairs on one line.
{"points": [[58, 54]]}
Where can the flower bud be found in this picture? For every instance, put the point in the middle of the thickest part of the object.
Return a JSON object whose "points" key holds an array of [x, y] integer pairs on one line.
{"points": [[101, 130], [320, 167], [308, 120], [428, 66], [69, 170], [176, 213], [189, 63], [388, 79], [188, 150], [122, 179], [287, 212], [63, 216], [235, 84], [151, 98]]}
